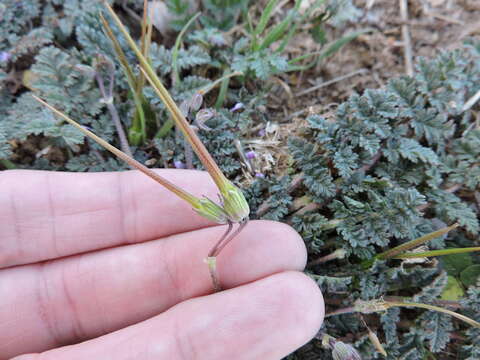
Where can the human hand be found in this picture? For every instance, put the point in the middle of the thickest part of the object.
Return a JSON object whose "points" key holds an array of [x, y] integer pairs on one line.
{"points": [[116, 261]]}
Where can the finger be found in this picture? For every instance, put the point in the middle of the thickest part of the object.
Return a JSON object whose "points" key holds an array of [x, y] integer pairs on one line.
{"points": [[84, 296], [45, 215], [264, 320]]}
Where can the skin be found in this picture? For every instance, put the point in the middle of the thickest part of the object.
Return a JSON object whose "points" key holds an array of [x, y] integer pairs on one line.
{"points": [[110, 266]]}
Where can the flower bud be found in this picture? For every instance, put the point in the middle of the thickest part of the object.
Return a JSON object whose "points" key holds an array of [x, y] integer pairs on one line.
{"points": [[208, 209], [196, 101], [5, 57], [179, 164], [250, 155], [237, 107], [234, 202]]}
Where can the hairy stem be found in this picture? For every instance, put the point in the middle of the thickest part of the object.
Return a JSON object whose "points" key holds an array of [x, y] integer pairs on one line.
{"points": [[108, 100]]}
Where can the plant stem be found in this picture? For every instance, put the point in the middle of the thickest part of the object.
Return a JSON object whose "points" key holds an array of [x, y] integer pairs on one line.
{"points": [[202, 153], [436, 253], [189, 133], [222, 94], [347, 310], [294, 184], [165, 129], [139, 122], [167, 125], [378, 305], [108, 100], [212, 267], [337, 254], [414, 243], [207, 88], [194, 201], [176, 49], [435, 308]]}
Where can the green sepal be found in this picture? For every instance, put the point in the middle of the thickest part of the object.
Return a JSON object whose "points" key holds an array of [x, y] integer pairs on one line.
{"points": [[234, 203], [208, 209]]}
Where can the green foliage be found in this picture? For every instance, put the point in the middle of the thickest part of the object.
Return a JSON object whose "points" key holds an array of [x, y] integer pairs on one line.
{"points": [[472, 305], [92, 163], [462, 165], [387, 168], [5, 150], [64, 84], [330, 284], [187, 58], [260, 64], [15, 17], [218, 14], [275, 190], [223, 14], [310, 226], [391, 165]]}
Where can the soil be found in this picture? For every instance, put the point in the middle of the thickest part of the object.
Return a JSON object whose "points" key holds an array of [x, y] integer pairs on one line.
{"points": [[370, 60]]}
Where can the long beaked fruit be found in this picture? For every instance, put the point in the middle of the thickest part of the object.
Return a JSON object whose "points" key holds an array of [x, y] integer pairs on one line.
{"points": [[203, 206], [234, 202]]}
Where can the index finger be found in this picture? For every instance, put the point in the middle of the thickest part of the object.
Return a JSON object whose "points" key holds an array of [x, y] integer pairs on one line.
{"points": [[45, 215]]}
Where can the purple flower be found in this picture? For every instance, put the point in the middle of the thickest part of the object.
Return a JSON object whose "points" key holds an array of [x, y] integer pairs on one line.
{"points": [[179, 164], [237, 107], [262, 132], [5, 56], [250, 155], [259, 175]]}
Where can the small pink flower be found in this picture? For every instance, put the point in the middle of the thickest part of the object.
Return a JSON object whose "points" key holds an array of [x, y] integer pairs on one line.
{"points": [[250, 155], [179, 164]]}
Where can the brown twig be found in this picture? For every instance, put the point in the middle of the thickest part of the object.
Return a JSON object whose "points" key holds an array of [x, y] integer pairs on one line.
{"points": [[330, 82], [130, 12], [315, 206], [294, 184], [307, 208], [447, 303], [470, 102], [407, 41], [337, 254], [347, 310]]}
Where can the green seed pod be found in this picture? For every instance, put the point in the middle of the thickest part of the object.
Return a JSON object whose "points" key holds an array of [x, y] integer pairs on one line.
{"points": [[234, 203], [208, 209]]}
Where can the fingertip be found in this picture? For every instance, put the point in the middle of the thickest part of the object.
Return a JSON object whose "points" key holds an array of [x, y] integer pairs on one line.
{"points": [[268, 319], [286, 309], [307, 307], [291, 243], [26, 357], [263, 248]]}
